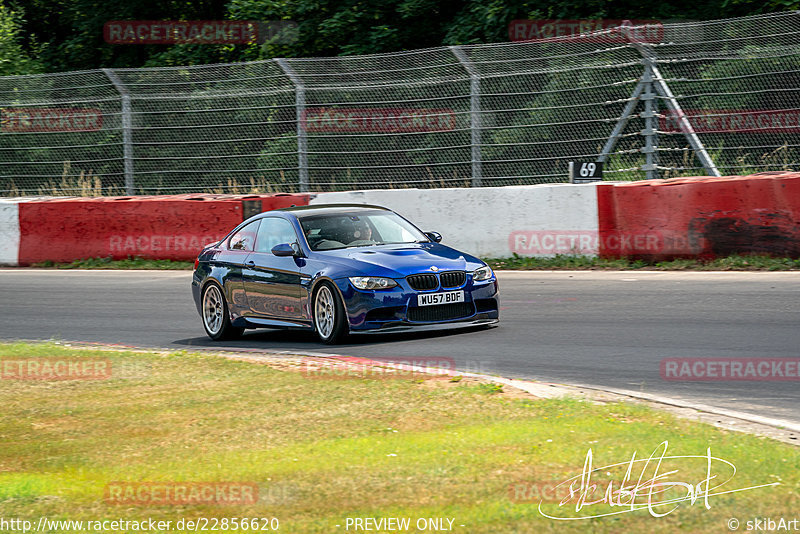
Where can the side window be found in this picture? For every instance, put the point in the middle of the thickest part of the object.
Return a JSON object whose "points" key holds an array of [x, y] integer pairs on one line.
{"points": [[244, 238], [274, 231]]}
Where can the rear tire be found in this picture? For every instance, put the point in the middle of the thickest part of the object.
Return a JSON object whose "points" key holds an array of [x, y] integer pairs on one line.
{"points": [[216, 318], [330, 319]]}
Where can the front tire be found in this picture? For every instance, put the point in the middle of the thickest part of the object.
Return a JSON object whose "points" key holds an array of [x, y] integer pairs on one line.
{"points": [[330, 320], [216, 319]]}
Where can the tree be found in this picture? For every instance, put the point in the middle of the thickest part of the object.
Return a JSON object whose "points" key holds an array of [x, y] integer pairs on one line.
{"points": [[72, 30], [14, 59]]}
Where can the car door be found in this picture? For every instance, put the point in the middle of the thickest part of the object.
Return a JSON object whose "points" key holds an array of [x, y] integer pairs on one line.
{"points": [[272, 283], [231, 259]]}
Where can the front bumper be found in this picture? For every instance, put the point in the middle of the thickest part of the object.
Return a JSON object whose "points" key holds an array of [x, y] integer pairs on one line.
{"points": [[396, 309], [427, 327]]}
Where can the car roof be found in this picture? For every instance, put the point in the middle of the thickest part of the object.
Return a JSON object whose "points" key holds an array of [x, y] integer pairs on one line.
{"points": [[320, 209]]}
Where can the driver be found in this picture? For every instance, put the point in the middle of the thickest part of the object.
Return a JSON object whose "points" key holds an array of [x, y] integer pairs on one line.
{"points": [[362, 232]]}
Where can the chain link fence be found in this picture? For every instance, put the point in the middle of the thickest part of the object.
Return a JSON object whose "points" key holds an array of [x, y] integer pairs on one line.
{"points": [[654, 101]]}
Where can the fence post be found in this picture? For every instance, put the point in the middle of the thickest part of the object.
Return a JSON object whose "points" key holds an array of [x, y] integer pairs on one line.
{"points": [[300, 109], [474, 113], [622, 122], [127, 130], [663, 90], [688, 130], [650, 125]]}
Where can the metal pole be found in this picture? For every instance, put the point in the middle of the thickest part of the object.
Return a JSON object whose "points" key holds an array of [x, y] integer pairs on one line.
{"points": [[686, 127], [127, 130], [300, 110], [672, 103], [621, 122], [649, 131], [474, 113]]}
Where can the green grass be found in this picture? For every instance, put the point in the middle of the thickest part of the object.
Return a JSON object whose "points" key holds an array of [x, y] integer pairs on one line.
{"points": [[559, 262], [569, 262], [324, 450], [108, 263]]}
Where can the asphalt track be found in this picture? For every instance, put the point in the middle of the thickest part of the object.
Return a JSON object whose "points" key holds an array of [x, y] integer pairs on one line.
{"points": [[604, 329]]}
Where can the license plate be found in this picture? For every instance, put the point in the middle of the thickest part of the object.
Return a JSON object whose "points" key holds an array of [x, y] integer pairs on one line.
{"points": [[448, 297]]}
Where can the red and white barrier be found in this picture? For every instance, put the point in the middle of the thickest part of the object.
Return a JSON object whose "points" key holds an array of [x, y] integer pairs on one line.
{"points": [[701, 217], [9, 232], [657, 219], [159, 227]]}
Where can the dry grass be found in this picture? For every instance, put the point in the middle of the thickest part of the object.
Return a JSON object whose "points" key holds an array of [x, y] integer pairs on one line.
{"points": [[323, 450], [250, 186], [85, 184]]}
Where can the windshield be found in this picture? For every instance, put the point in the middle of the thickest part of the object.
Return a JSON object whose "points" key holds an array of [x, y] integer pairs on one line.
{"points": [[358, 229]]}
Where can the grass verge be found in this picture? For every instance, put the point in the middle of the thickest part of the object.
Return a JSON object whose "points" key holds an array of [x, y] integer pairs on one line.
{"points": [[321, 451], [108, 263], [568, 262], [559, 262]]}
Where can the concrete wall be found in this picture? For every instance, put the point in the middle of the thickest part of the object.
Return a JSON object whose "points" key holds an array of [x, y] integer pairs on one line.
{"points": [[9, 232], [494, 221]]}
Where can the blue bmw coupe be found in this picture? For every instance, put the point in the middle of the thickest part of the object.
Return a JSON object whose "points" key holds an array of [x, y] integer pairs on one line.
{"points": [[338, 269]]}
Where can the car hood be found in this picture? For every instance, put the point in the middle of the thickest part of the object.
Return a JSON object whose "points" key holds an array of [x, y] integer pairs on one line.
{"points": [[398, 261]]}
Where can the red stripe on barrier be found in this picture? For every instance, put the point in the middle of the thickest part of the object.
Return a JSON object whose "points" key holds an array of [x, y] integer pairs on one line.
{"points": [[163, 227], [701, 217]]}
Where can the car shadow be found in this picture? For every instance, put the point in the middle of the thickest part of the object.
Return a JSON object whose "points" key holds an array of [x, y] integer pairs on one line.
{"points": [[267, 339]]}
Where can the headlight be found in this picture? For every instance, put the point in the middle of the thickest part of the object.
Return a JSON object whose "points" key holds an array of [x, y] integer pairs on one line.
{"points": [[372, 282], [482, 273]]}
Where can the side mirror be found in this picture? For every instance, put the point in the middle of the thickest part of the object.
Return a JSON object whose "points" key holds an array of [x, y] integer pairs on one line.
{"points": [[436, 237], [284, 249]]}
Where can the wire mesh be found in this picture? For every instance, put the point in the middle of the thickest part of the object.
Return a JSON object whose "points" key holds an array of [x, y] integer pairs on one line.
{"points": [[488, 115]]}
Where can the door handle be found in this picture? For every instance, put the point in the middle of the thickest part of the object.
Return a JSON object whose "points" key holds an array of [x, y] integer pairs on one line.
{"points": [[250, 263]]}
